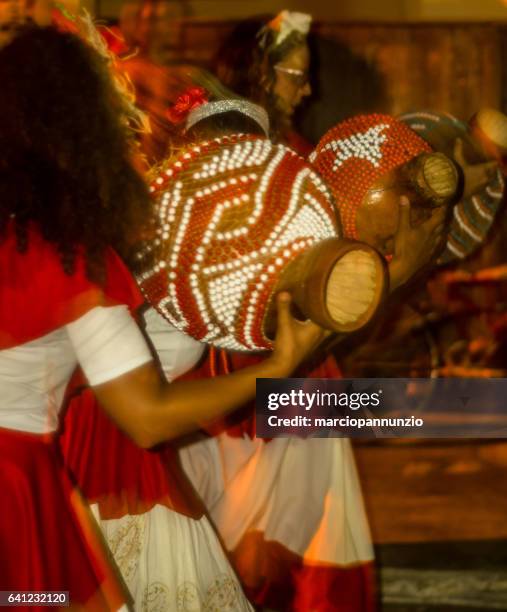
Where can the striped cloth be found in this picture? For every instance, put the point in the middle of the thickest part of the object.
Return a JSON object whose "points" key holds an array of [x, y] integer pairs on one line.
{"points": [[472, 216]]}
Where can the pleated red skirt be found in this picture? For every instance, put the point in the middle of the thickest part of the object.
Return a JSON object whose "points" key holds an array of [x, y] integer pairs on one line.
{"points": [[48, 541], [113, 472]]}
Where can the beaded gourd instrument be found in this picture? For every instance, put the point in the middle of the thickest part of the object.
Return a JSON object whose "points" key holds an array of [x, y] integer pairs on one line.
{"points": [[238, 220], [357, 153]]}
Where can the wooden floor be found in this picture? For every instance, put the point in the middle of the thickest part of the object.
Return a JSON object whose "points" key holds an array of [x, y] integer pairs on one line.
{"points": [[431, 491], [438, 513]]}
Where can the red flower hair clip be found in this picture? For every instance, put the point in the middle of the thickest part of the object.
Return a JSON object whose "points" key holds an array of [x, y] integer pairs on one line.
{"points": [[186, 102]]}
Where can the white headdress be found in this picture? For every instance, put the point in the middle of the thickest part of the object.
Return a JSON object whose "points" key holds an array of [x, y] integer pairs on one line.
{"points": [[284, 24]]}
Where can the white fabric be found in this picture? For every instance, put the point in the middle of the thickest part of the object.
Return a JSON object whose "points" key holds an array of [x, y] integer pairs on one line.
{"points": [[33, 376], [172, 563], [249, 485], [108, 343], [304, 494], [178, 353]]}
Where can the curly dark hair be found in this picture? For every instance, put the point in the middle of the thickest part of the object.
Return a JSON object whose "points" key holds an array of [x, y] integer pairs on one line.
{"points": [[247, 67], [65, 155]]}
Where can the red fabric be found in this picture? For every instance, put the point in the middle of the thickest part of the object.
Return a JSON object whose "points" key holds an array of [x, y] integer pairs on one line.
{"points": [[334, 589], [47, 540], [111, 470], [114, 39], [39, 297], [276, 578], [298, 143]]}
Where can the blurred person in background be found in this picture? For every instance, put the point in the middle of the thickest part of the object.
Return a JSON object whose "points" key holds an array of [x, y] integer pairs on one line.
{"points": [[12, 16], [270, 65], [158, 70]]}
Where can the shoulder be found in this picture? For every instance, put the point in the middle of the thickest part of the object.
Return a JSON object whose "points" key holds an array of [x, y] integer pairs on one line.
{"points": [[38, 296]]}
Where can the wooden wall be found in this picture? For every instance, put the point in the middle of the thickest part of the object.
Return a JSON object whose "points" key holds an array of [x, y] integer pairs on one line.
{"points": [[326, 10], [389, 67], [386, 55], [450, 67]]}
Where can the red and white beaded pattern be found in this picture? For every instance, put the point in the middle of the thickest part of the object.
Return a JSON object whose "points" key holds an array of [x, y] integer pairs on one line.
{"points": [[355, 153], [232, 214]]}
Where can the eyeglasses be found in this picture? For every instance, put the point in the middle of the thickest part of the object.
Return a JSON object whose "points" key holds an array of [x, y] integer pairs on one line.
{"points": [[299, 77]]}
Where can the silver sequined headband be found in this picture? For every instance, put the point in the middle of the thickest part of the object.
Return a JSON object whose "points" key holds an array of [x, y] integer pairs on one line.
{"points": [[251, 110]]}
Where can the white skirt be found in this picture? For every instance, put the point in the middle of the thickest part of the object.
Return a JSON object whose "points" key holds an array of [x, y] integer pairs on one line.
{"points": [[304, 494], [173, 563]]}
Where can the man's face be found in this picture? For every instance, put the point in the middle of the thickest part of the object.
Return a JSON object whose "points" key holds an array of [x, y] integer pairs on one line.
{"points": [[11, 17]]}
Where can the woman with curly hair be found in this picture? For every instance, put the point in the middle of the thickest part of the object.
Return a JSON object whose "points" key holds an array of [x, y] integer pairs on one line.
{"points": [[70, 202], [269, 64]]}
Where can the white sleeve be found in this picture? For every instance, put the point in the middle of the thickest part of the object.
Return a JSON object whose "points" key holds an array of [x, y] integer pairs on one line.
{"points": [[108, 343], [177, 352]]}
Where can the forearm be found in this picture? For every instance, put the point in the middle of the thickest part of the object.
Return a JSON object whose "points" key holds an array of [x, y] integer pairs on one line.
{"points": [[211, 398], [397, 275], [168, 411]]}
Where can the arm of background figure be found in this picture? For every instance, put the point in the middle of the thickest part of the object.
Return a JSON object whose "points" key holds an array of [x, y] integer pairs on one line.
{"points": [[414, 247]]}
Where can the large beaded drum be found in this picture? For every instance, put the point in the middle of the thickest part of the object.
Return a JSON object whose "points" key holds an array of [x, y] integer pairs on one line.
{"points": [[240, 219]]}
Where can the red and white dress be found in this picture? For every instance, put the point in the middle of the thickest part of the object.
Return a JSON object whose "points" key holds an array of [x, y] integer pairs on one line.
{"points": [[290, 512], [164, 546], [48, 539]]}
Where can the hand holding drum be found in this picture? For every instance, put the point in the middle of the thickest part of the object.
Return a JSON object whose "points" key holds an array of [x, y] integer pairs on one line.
{"points": [[373, 163], [479, 149], [480, 144]]}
